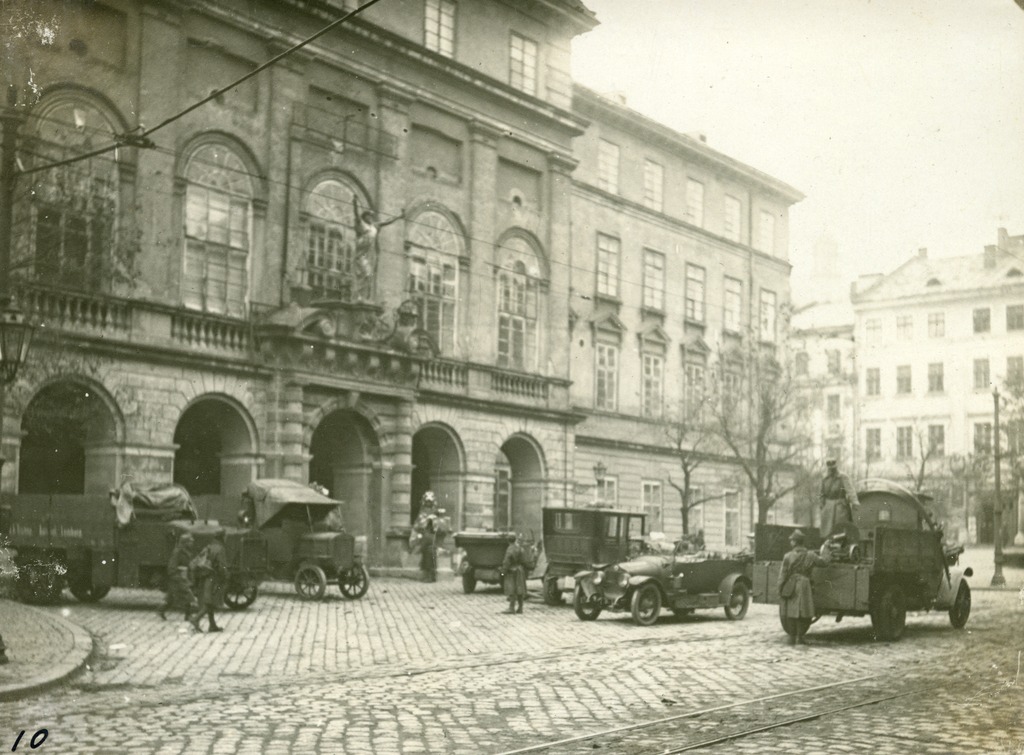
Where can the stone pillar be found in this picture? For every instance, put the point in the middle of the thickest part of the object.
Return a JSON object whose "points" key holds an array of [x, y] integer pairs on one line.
{"points": [[146, 464], [527, 502], [393, 120], [396, 489], [285, 451], [483, 175], [478, 506], [559, 249], [103, 464]]}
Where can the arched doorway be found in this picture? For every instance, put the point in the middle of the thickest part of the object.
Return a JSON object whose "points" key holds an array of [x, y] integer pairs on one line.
{"points": [[215, 448], [437, 465], [69, 441], [345, 459], [518, 486]]}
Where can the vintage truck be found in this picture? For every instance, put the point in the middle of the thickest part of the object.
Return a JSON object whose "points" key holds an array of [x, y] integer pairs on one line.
{"points": [[91, 543]]}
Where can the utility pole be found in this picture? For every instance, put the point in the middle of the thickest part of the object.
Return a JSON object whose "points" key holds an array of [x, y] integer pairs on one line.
{"points": [[998, 580]]}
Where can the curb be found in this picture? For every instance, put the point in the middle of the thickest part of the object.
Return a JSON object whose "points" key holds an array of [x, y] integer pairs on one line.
{"points": [[72, 663]]}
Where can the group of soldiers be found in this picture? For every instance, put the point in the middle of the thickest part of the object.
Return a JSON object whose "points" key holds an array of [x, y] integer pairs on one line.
{"points": [[196, 581]]}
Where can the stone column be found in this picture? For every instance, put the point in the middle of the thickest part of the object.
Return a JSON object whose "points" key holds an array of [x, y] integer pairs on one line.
{"points": [[284, 446], [559, 249], [478, 507], [483, 175], [393, 122]]}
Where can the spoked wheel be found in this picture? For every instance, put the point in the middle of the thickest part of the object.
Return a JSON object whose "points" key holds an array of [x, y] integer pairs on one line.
{"points": [[468, 581], [889, 615], [310, 582], [960, 611], [552, 592], [739, 601], [585, 611], [239, 595], [646, 605], [354, 582], [40, 582]]}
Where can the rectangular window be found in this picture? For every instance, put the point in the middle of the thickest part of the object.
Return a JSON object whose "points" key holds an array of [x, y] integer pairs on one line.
{"points": [[904, 442], [873, 443], [834, 406], [937, 440], [981, 375], [608, 166], [733, 534], [654, 183], [834, 363], [766, 232], [873, 330], [768, 316], [1015, 317], [936, 324], [1014, 370], [650, 397], [606, 377], [982, 320], [903, 379], [654, 280], [873, 381], [693, 389], [608, 495], [982, 437], [695, 202], [904, 327], [439, 27], [523, 64], [733, 305], [936, 378], [654, 505], [802, 363], [433, 283], [695, 293], [731, 224], [608, 265]]}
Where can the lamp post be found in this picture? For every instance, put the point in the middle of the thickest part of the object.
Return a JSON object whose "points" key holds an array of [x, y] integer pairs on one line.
{"points": [[15, 330], [998, 580]]}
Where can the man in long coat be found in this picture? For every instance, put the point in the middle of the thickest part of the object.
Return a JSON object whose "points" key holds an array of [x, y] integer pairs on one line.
{"points": [[179, 586], [211, 582], [797, 565], [838, 499], [515, 566]]}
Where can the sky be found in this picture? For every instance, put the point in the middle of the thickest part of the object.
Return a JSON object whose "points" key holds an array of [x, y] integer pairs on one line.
{"points": [[902, 121]]}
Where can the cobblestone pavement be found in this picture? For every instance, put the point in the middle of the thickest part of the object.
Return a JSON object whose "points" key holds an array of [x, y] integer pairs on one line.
{"points": [[416, 667]]}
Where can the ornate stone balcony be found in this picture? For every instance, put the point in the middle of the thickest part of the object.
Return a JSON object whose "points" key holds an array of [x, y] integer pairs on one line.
{"points": [[488, 383]]}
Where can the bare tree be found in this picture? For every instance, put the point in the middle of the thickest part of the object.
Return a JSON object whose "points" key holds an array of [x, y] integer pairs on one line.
{"points": [[761, 416], [917, 466], [690, 433]]}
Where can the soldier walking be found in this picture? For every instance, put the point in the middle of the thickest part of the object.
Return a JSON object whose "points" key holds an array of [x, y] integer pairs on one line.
{"points": [[211, 572], [179, 587]]}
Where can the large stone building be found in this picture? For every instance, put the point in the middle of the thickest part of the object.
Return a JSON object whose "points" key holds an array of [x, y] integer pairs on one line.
{"points": [[213, 309]]}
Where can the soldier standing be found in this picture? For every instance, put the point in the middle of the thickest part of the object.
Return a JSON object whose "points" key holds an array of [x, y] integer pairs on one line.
{"points": [[516, 565], [795, 596], [838, 499], [179, 587], [211, 573]]}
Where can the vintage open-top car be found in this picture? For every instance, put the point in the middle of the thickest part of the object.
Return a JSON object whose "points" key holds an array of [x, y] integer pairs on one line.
{"points": [[891, 559], [306, 540], [665, 576]]}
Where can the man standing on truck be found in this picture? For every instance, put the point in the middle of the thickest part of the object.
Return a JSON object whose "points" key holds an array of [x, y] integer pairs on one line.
{"points": [[179, 587], [838, 499], [211, 573]]}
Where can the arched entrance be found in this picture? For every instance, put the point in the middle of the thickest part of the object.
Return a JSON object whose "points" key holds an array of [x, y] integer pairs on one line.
{"points": [[437, 465], [345, 459], [69, 441], [518, 486], [215, 448]]}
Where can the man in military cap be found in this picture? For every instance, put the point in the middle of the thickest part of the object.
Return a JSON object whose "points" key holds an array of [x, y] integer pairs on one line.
{"points": [[211, 575], [179, 587], [838, 499]]}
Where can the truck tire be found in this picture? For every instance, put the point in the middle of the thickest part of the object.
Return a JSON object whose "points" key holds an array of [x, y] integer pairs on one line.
{"points": [[239, 595], [584, 611], [355, 582], [468, 581], [739, 601], [310, 582], [889, 614], [960, 611], [87, 593]]}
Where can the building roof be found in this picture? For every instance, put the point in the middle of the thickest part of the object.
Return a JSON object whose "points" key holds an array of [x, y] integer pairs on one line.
{"points": [[823, 316], [921, 276]]}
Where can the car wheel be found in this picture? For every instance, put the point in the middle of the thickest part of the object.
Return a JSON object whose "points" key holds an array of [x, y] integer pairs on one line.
{"points": [[646, 604], [354, 582], [310, 582], [960, 611], [739, 601], [585, 611], [552, 592], [240, 595], [789, 624], [468, 581], [889, 616], [87, 593]]}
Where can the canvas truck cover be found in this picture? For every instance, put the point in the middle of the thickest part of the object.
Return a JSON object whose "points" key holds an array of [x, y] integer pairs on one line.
{"points": [[272, 497], [156, 502]]}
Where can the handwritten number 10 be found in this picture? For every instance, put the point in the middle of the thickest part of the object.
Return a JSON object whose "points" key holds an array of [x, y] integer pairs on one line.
{"points": [[37, 739]]}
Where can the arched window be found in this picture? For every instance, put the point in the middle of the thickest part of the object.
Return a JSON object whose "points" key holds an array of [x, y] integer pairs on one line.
{"points": [[434, 247], [518, 283], [74, 207], [218, 231], [330, 240]]}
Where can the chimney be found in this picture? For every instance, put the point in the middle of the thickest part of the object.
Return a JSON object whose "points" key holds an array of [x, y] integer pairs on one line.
{"points": [[990, 256], [1003, 238], [922, 252]]}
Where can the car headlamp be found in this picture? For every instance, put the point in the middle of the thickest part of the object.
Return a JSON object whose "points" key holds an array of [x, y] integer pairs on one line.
{"points": [[623, 579], [598, 577]]}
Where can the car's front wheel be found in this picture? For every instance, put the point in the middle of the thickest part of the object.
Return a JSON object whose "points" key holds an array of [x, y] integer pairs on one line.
{"points": [[960, 611], [739, 601], [585, 611], [646, 604]]}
